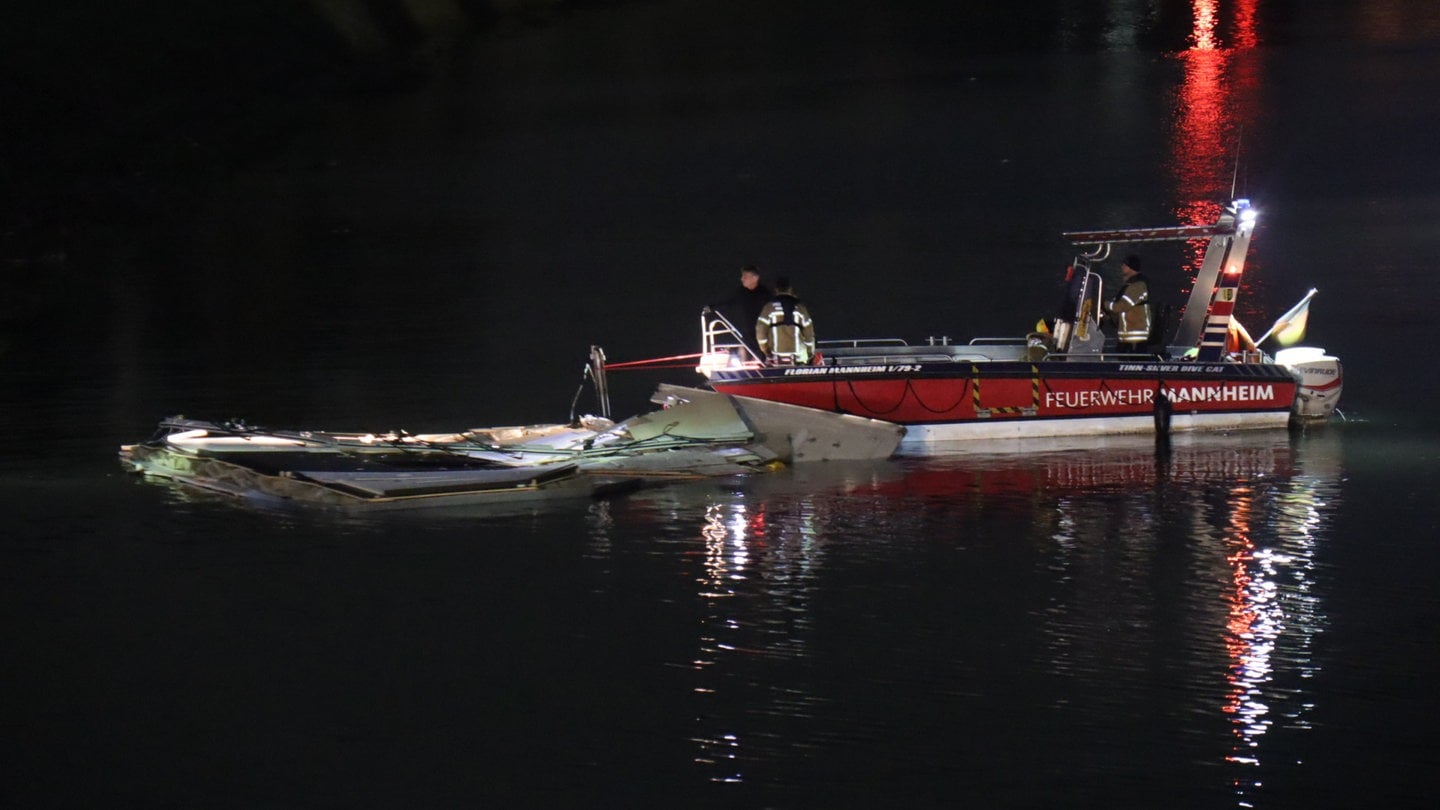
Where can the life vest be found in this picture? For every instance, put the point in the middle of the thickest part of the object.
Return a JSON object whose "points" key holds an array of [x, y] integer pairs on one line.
{"points": [[787, 310], [788, 335]]}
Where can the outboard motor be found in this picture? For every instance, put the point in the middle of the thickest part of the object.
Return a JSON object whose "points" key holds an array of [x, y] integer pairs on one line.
{"points": [[1321, 378]]}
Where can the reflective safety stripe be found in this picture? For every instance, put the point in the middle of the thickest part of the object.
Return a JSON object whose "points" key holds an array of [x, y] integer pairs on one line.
{"points": [[778, 319], [983, 412]]}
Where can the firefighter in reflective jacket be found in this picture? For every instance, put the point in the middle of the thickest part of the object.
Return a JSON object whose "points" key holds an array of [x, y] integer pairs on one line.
{"points": [[1131, 306], [784, 329]]}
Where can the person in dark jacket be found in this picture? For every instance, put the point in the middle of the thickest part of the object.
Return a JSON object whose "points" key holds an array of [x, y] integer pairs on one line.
{"points": [[744, 304]]}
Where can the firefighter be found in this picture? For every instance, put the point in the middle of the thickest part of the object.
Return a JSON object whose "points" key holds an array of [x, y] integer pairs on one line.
{"points": [[784, 330], [1131, 307]]}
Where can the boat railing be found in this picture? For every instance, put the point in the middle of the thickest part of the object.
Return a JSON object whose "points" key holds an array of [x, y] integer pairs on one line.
{"points": [[856, 343], [997, 341], [852, 353], [595, 372], [1086, 357], [721, 344]]}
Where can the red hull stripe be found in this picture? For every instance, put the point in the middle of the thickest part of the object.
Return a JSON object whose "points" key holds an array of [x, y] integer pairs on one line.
{"points": [[921, 399]]}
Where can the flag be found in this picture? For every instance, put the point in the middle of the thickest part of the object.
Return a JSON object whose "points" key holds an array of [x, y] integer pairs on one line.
{"points": [[1291, 326], [1294, 328]]}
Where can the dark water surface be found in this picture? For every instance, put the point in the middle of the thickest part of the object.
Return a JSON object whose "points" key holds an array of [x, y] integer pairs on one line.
{"points": [[1247, 622]]}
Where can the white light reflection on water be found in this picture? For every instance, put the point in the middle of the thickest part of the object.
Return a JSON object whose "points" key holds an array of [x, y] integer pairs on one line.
{"points": [[725, 536], [756, 580], [1273, 619]]}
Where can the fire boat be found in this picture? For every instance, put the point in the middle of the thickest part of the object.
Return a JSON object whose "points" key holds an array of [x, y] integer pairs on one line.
{"points": [[1068, 379]]}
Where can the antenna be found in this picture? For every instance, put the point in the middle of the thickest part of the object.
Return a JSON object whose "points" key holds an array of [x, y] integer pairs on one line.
{"points": [[1235, 174]]}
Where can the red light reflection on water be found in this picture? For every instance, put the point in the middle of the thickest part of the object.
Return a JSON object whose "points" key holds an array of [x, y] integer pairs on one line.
{"points": [[1218, 94]]}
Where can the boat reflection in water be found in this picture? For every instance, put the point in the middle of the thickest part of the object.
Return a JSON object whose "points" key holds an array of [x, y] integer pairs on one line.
{"points": [[1130, 599], [1274, 611]]}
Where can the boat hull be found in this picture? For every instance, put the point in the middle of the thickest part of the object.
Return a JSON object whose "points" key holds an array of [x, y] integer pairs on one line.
{"points": [[797, 434], [943, 405], [362, 487], [593, 457]]}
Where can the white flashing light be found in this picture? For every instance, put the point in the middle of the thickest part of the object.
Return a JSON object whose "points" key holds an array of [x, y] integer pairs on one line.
{"points": [[1245, 215]]}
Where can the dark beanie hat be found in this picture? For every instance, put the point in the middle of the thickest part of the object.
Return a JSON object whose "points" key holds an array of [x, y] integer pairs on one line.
{"points": [[1134, 262]]}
